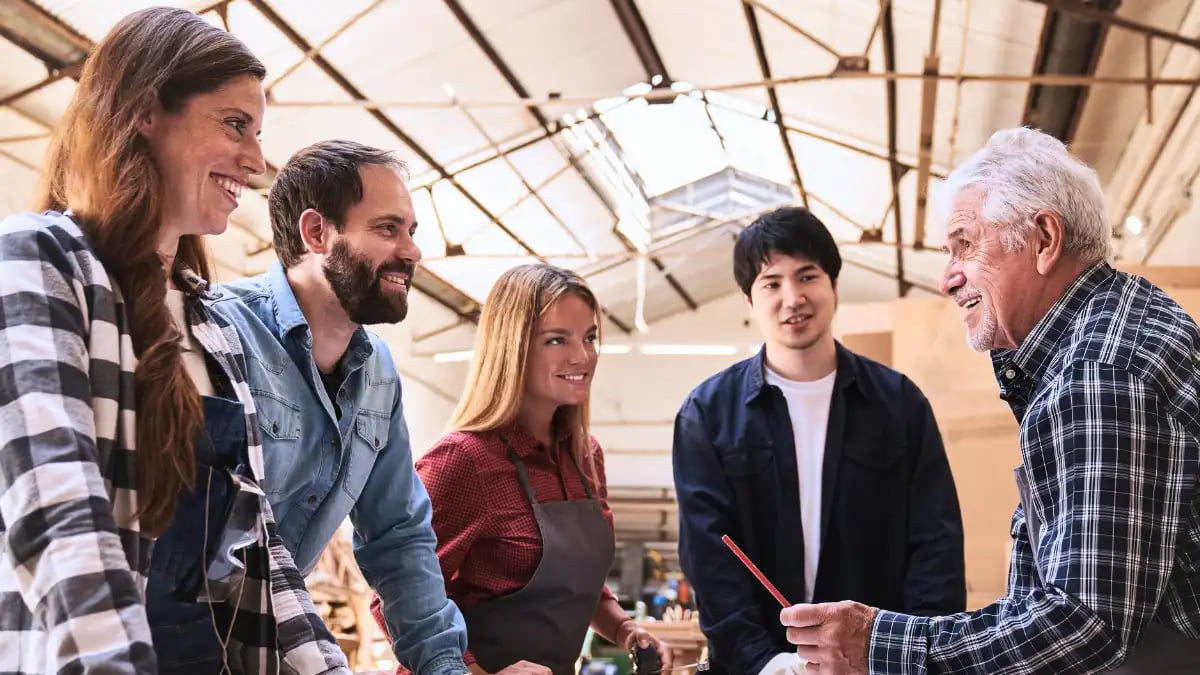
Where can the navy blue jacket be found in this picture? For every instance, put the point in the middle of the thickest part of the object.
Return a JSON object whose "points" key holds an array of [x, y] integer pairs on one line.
{"points": [[891, 529]]}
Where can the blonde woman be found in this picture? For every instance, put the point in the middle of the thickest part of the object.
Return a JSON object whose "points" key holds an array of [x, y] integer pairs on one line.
{"points": [[525, 535]]}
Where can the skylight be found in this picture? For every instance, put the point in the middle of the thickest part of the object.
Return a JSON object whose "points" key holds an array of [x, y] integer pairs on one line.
{"points": [[671, 165]]}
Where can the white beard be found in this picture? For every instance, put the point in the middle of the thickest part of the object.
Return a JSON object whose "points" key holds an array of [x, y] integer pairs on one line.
{"points": [[982, 337]]}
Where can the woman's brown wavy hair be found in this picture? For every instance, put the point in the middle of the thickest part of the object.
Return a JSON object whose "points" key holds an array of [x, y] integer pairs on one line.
{"points": [[100, 167]]}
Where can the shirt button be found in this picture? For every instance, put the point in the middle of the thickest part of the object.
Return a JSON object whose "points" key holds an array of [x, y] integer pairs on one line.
{"points": [[274, 428], [376, 442], [1010, 374], [312, 499]]}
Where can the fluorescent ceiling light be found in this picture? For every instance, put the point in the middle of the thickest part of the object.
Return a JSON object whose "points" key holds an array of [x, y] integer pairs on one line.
{"points": [[452, 357], [645, 349], [687, 350]]}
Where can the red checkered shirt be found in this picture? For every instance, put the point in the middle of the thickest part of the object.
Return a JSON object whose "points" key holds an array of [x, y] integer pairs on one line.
{"points": [[488, 541]]}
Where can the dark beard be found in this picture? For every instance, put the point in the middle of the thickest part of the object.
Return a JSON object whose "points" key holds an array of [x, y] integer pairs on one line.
{"points": [[360, 289]]}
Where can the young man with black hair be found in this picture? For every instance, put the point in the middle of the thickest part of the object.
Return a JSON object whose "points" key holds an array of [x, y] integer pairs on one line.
{"points": [[826, 467]]}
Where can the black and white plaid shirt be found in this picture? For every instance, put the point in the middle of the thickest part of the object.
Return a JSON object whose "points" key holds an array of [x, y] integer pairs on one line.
{"points": [[73, 561], [1107, 392]]}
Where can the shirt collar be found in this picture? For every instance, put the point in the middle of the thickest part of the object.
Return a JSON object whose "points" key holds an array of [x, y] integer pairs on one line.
{"points": [[523, 442], [289, 317], [1032, 358], [191, 283], [287, 309], [756, 377]]}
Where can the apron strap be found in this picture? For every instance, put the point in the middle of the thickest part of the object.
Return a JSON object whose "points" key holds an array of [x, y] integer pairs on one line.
{"points": [[522, 475], [527, 486], [587, 486]]}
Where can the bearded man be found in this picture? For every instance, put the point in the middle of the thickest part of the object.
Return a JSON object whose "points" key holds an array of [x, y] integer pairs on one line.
{"points": [[327, 393]]}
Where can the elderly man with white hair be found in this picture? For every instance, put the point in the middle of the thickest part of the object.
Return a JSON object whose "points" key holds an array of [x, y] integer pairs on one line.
{"points": [[1102, 371]]}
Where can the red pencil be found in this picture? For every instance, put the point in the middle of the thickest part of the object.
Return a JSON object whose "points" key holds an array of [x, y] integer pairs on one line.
{"points": [[755, 571]]}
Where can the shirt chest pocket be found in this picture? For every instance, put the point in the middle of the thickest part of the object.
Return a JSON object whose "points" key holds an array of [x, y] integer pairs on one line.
{"points": [[369, 439], [279, 431], [748, 465]]}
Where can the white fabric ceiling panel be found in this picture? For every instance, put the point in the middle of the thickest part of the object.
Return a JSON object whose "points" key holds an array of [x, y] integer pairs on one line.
{"points": [[17, 68], [299, 128], [855, 184], [571, 198], [752, 145], [94, 19], [271, 47], [317, 21], [704, 42], [47, 104], [430, 237], [32, 152], [19, 183], [494, 184], [843, 25], [538, 162], [574, 47], [550, 238], [490, 242], [475, 276], [15, 125], [459, 218], [421, 67]]}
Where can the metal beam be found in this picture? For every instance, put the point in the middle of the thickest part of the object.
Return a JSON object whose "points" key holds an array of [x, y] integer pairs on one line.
{"points": [[355, 93], [1085, 11], [652, 63], [643, 44], [485, 45], [50, 79], [790, 24], [790, 80], [929, 88], [42, 35], [889, 63], [765, 67], [334, 74]]}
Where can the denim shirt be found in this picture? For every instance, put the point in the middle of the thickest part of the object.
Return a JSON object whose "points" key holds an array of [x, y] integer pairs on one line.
{"points": [[321, 468]]}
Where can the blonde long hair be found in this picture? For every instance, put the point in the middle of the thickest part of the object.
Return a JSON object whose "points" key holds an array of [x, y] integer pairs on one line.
{"points": [[495, 383]]}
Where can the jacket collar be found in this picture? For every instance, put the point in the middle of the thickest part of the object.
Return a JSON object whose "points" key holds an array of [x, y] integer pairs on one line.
{"points": [[755, 375]]}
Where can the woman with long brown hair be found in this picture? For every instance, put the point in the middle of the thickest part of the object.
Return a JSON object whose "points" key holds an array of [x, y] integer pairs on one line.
{"points": [[135, 536], [525, 535]]}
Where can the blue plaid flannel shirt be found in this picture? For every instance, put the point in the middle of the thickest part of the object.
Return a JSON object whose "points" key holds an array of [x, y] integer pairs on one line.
{"points": [[1106, 392]]}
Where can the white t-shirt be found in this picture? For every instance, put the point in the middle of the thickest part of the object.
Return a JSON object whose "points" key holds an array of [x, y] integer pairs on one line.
{"points": [[808, 408], [193, 353]]}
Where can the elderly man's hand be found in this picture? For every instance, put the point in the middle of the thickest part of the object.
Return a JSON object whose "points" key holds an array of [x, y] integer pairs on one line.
{"points": [[832, 637]]}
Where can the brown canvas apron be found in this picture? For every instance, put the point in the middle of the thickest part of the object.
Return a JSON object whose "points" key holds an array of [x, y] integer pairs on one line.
{"points": [[546, 621]]}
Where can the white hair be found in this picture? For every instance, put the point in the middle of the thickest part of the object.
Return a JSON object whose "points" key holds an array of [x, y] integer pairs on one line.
{"points": [[1022, 171]]}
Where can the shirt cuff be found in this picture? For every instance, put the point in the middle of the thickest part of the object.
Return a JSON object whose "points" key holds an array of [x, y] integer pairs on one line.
{"points": [[445, 665], [782, 663], [899, 644]]}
